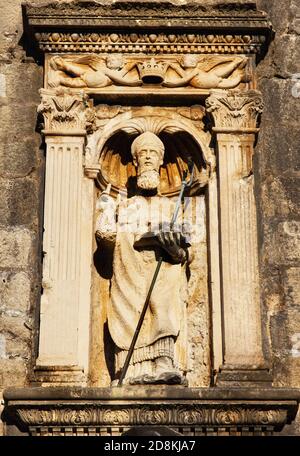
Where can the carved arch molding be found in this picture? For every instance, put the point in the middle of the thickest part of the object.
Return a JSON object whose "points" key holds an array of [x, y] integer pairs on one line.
{"points": [[186, 73]]}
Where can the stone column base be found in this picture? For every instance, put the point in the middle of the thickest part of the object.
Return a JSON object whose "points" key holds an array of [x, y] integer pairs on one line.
{"points": [[48, 376], [239, 376], [116, 411]]}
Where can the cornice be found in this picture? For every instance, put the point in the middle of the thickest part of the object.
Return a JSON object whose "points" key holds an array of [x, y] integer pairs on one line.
{"points": [[94, 411], [148, 27]]}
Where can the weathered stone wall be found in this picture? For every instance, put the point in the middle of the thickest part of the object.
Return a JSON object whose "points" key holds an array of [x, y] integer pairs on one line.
{"points": [[21, 189], [276, 170]]}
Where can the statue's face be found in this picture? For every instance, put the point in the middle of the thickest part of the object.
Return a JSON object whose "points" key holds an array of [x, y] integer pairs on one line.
{"points": [[189, 61], [148, 159]]}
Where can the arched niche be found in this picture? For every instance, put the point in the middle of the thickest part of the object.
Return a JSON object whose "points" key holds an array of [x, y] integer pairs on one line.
{"points": [[117, 169], [112, 148]]}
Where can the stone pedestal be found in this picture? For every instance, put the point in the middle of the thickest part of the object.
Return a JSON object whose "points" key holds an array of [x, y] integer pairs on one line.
{"points": [[235, 117], [186, 411]]}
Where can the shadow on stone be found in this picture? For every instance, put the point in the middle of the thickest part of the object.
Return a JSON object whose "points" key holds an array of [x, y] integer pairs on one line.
{"points": [[151, 431]]}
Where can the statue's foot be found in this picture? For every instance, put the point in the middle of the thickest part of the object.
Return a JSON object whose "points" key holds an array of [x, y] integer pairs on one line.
{"points": [[171, 378], [163, 378], [145, 379]]}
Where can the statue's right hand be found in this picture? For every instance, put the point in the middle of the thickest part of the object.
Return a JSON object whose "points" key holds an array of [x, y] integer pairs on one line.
{"points": [[105, 201]]}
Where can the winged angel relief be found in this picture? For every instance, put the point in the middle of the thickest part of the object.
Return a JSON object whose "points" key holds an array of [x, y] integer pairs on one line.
{"points": [[200, 72]]}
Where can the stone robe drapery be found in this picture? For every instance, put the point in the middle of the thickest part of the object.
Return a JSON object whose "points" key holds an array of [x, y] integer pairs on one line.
{"points": [[132, 275]]}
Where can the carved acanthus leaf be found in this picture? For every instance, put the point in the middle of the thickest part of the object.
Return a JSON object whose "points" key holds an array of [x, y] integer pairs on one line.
{"points": [[183, 415], [63, 113], [235, 110]]}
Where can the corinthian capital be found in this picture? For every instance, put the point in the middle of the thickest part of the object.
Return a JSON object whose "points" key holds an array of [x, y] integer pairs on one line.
{"points": [[235, 111], [64, 113]]}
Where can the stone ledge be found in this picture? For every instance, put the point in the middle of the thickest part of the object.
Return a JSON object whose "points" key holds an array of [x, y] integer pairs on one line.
{"points": [[113, 411]]}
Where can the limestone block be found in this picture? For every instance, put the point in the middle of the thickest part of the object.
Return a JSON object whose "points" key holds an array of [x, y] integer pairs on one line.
{"points": [[2, 346], [19, 205], [14, 291], [279, 103], [12, 324], [278, 152], [2, 89], [287, 54], [285, 236], [16, 247], [13, 371], [279, 13], [292, 286], [16, 349], [276, 199], [288, 240], [22, 159], [295, 17], [24, 78]]}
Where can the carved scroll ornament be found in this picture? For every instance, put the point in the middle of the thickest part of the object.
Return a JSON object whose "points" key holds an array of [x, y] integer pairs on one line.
{"points": [[63, 113], [235, 110]]}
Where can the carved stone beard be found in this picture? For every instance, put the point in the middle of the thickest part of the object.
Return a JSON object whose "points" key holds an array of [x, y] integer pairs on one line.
{"points": [[148, 180]]}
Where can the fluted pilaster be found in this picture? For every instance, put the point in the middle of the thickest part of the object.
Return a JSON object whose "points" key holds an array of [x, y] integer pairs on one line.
{"points": [[235, 117], [65, 302]]}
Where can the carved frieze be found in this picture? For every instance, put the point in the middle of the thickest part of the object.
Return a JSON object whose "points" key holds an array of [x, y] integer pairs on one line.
{"points": [[198, 72], [179, 415], [150, 43]]}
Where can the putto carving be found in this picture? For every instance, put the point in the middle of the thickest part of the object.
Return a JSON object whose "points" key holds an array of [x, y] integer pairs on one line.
{"points": [[235, 110], [92, 71], [63, 113], [208, 72], [95, 72]]}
